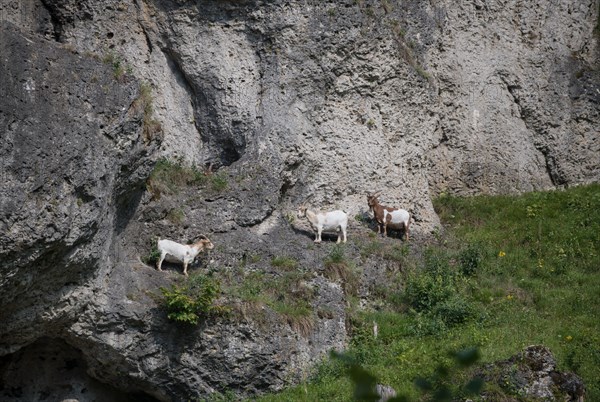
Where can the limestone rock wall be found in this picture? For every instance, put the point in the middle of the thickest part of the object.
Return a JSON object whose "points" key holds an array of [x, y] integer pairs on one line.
{"points": [[72, 153], [292, 101], [519, 95], [339, 98]]}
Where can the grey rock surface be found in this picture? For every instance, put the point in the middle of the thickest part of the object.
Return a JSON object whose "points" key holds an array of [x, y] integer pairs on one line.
{"points": [[532, 374], [63, 374], [341, 98], [519, 92], [73, 159], [289, 101]]}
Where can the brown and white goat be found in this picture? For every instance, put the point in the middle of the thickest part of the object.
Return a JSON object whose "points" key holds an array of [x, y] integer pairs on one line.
{"points": [[395, 218], [175, 252]]}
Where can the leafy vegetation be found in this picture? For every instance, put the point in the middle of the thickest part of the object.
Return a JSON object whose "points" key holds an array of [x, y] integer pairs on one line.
{"points": [[507, 272], [153, 255], [120, 68], [388, 251], [436, 387], [218, 182], [193, 300], [169, 176], [176, 216]]}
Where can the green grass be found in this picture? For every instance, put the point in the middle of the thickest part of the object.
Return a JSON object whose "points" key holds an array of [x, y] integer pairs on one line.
{"points": [[340, 268], [170, 177], [513, 270], [287, 293], [153, 256], [284, 262], [120, 68], [145, 102], [218, 182], [176, 216]]}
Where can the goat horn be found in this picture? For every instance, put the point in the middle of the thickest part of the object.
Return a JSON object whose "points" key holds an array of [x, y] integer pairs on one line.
{"points": [[307, 199]]}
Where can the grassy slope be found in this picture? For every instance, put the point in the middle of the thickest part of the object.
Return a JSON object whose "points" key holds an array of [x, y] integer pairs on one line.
{"points": [[527, 268]]}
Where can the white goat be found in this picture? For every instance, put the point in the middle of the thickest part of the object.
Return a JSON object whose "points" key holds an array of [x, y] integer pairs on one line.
{"points": [[175, 252], [325, 222]]}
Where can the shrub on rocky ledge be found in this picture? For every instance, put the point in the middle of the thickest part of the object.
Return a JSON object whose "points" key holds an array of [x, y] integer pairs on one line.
{"points": [[193, 300]]}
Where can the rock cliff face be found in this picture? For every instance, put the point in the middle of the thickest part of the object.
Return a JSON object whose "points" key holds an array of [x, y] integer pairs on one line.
{"points": [[286, 99], [73, 156], [519, 96], [340, 98]]}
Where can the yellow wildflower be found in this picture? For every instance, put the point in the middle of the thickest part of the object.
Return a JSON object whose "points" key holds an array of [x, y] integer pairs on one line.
{"points": [[509, 297], [501, 253], [569, 338]]}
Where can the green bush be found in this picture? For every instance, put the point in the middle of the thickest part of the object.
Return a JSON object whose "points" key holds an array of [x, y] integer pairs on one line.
{"points": [[470, 259], [427, 324], [195, 299], [120, 69], [435, 295], [153, 256], [437, 263], [171, 176], [336, 255], [327, 369], [425, 291], [454, 311]]}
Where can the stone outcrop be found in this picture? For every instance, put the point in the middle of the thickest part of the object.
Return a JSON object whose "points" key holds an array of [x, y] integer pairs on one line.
{"points": [[73, 159], [532, 374]]}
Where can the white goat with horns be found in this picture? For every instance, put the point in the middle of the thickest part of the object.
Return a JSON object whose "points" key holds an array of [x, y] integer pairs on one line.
{"points": [[334, 221], [175, 252]]}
